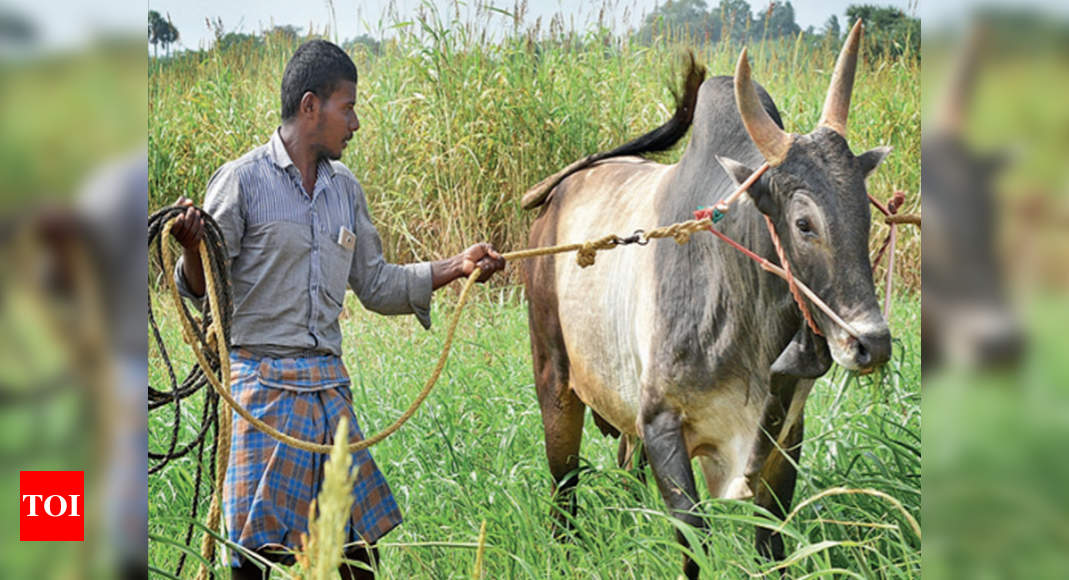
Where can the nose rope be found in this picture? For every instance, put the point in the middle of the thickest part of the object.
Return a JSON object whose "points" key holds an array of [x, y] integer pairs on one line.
{"points": [[792, 284]]}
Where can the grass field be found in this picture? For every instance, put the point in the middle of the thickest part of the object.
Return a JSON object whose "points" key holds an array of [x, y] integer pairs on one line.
{"points": [[474, 453]]}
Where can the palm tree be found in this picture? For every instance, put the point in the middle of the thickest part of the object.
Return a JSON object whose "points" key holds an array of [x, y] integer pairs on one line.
{"points": [[161, 31]]}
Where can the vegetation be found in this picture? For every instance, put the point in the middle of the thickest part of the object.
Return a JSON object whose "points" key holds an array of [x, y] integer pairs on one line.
{"points": [[455, 127], [889, 29], [161, 31]]}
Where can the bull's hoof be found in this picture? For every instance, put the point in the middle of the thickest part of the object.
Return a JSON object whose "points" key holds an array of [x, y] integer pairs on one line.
{"points": [[739, 488]]}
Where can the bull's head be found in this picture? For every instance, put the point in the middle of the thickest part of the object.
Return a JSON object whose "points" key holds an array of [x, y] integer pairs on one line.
{"points": [[814, 192]]}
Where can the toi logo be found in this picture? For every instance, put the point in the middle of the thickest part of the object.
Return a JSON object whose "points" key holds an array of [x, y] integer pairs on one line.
{"points": [[51, 506]]}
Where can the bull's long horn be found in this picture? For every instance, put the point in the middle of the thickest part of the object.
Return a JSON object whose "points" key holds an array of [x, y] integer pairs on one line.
{"points": [[771, 141], [837, 103]]}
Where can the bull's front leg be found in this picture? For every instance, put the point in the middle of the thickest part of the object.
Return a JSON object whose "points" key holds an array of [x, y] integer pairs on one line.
{"points": [[772, 474], [662, 432]]}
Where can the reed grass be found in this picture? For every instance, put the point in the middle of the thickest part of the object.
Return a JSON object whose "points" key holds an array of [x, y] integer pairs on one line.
{"points": [[460, 117]]}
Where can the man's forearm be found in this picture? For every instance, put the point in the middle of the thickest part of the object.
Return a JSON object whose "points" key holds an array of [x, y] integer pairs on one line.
{"points": [[445, 271], [193, 270]]}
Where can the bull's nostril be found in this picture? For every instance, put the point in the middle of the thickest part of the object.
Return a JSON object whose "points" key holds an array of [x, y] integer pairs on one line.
{"points": [[862, 357]]}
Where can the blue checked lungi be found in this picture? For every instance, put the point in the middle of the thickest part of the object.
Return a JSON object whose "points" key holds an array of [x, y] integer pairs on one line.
{"points": [[270, 485]]}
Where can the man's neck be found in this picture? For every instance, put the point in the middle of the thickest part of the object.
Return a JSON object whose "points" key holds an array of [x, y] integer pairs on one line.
{"points": [[302, 155]]}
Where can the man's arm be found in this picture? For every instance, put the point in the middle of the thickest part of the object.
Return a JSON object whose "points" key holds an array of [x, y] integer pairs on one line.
{"points": [[463, 264], [188, 229]]}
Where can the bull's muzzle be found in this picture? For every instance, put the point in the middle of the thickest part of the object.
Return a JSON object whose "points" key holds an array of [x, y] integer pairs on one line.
{"points": [[869, 350]]}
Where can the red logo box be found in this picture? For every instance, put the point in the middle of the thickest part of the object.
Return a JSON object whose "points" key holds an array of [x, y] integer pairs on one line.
{"points": [[51, 506]]}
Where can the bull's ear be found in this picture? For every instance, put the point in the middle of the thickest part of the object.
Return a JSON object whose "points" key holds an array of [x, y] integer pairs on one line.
{"points": [[758, 192], [872, 158]]}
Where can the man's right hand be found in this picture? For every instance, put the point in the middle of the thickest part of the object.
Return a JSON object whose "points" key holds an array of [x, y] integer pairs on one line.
{"points": [[188, 228]]}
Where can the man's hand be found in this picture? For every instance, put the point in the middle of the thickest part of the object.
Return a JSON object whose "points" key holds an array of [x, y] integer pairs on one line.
{"points": [[188, 228], [484, 257]]}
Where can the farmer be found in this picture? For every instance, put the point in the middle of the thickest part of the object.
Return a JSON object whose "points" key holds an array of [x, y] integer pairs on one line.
{"points": [[297, 230]]}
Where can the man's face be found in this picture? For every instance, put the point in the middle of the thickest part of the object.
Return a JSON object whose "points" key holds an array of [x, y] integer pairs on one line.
{"points": [[336, 120]]}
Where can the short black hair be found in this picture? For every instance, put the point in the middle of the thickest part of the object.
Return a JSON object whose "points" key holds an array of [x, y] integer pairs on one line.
{"points": [[317, 66]]}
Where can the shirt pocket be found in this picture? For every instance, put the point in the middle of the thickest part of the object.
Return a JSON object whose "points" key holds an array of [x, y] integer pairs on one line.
{"points": [[337, 262]]}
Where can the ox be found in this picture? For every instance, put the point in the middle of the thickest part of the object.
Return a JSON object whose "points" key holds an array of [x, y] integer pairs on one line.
{"points": [[694, 350]]}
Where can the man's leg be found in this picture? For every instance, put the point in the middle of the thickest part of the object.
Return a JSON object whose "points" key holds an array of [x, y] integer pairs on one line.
{"points": [[249, 571], [368, 556]]}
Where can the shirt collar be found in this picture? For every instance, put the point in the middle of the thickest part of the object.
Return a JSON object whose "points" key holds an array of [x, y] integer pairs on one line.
{"points": [[276, 150]]}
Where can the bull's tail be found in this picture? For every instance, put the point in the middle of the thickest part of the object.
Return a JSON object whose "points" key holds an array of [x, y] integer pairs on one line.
{"points": [[660, 139]]}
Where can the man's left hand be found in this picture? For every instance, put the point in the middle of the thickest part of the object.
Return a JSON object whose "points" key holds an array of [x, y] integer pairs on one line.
{"points": [[484, 257]]}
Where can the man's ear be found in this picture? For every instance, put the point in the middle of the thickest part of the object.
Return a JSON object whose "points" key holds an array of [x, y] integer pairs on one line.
{"points": [[872, 158], [758, 192], [309, 102]]}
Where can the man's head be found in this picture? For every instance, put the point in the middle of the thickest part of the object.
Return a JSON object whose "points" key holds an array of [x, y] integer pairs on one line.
{"points": [[318, 94]]}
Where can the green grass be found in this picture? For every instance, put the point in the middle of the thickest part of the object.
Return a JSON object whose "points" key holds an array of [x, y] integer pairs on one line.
{"points": [[475, 452]]}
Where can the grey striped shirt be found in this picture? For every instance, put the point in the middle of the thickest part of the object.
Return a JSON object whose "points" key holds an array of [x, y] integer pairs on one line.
{"points": [[288, 268]]}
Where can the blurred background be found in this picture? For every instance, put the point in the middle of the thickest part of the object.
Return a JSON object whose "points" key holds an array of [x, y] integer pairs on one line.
{"points": [[995, 139], [72, 283]]}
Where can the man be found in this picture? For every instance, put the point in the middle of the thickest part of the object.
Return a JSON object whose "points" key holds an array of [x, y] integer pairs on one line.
{"points": [[297, 231]]}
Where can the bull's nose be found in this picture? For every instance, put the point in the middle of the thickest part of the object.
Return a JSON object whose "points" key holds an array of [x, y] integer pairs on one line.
{"points": [[871, 350]]}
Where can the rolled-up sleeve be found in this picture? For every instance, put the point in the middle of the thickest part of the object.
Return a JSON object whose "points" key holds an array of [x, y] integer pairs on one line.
{"points": [[383, 287], [223, 203]]}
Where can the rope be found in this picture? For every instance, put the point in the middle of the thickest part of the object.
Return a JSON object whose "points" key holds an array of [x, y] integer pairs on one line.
{"points": [[792, 284], [202, 331], [892, 219]]}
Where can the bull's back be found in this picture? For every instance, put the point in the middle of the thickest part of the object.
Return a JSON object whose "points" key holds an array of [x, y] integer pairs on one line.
{"points": [[603, 313]]}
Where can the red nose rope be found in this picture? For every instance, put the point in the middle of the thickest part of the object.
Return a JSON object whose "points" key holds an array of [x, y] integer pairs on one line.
{"points": [[892, 209]]}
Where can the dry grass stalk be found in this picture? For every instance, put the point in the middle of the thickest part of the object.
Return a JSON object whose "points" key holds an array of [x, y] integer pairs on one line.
{"points": [[325, 541]]}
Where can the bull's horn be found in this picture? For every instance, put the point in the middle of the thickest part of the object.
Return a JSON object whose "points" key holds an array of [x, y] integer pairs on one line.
{"points": [[771, 141], [837, 103]]}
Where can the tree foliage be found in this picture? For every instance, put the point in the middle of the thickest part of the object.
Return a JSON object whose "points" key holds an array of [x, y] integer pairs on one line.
{"points": [[887, 30], [161, 31]]}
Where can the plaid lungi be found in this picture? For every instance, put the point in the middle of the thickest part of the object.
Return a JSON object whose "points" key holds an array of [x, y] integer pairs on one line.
{"points": [[270, 485]]}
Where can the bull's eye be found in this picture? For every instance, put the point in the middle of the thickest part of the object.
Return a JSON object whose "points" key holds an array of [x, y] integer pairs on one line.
{"points": [[803, 225]]}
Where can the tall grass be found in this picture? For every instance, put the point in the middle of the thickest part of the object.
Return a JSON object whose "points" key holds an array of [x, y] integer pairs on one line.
{"points": [[459, 118]]}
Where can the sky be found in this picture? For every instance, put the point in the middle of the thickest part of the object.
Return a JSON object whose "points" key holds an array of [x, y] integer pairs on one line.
{"points": [[71, 23], [355, 17]]}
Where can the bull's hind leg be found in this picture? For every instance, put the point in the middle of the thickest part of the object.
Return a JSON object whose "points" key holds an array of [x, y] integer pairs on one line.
{"points": [[562, 413], [562, 422], [773, 485], [631, 455], [662, 432]]}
